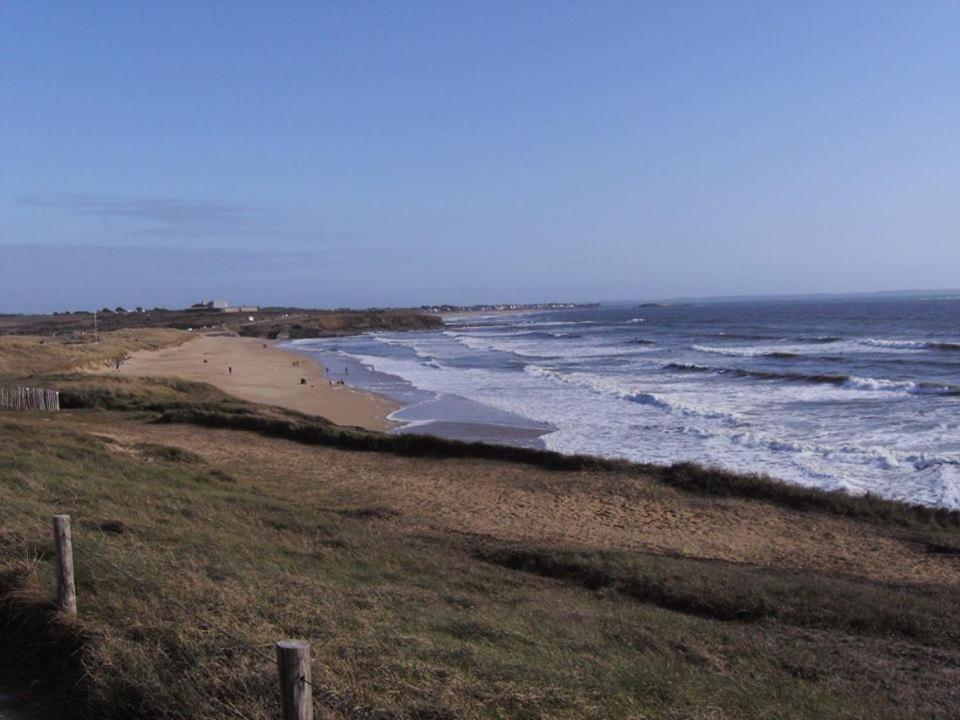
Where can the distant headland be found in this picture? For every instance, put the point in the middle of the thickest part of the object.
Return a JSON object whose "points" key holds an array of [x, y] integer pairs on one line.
{"points": [[505, 307]]}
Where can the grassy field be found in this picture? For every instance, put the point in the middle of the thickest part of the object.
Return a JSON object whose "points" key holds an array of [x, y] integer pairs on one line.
{"points": [[436, 580], [24, 356]]}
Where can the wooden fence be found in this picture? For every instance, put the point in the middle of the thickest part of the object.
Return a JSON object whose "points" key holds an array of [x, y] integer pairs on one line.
{"points": [[29, 398], [293, 656]]}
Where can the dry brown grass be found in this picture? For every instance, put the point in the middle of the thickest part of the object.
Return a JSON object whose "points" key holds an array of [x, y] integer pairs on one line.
{"points": [[435, 588], [595, 509], [23, 356]]}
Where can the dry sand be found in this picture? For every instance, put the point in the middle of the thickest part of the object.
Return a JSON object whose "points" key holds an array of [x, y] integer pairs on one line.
{"points": [[263, 373]]}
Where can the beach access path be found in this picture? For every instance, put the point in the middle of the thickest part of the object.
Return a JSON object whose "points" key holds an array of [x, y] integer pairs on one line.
{"points": [[258, 371]]}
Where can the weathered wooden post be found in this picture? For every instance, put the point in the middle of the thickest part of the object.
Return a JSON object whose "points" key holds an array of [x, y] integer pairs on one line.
{"points": [[66, 590], [296, 694]]}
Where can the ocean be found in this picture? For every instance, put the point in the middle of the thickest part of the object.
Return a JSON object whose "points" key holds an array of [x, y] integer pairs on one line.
{"points": [[859, 395]]}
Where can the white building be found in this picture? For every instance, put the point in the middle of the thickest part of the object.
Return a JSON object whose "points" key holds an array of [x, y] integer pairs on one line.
{"points": [[223, 306]]}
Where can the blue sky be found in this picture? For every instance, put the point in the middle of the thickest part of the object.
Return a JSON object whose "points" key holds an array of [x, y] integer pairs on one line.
{"points": [[330, 154]]}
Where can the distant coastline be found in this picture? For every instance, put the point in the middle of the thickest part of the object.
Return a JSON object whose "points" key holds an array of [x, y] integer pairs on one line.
{"points": [[504, 308], [950, 294]]}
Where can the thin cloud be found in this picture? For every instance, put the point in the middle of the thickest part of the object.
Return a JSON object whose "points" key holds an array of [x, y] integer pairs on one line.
{"points": [[173, 213], [162, 219]]}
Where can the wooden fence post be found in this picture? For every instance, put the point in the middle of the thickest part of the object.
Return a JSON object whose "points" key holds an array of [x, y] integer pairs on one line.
{"points": [[296, 693], [66, 590], [29, 399]]}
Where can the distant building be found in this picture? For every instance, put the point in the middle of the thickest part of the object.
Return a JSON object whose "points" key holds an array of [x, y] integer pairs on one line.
{"points": [[223, 306]]}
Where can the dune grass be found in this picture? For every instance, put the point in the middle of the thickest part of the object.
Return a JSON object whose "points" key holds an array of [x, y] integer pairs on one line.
{"points": [[26, 356], [126, 393], [406, 623], [746, 593]]}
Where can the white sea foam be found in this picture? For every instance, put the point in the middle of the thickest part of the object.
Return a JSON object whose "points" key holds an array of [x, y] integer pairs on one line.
{"points": [[902, 344], [887, 342], [907, 386], [549, 348], [731, 351], [633, 393], [875, 384], [762, 350], [881, 457], [802, 349], [420, 353]]}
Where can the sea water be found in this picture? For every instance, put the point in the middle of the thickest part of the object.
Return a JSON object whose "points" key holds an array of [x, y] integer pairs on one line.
{"points": [[857, 395]]}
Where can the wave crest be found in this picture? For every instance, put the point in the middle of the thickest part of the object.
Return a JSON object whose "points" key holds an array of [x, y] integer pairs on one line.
{"points": [[642, 396], [942, 345]]}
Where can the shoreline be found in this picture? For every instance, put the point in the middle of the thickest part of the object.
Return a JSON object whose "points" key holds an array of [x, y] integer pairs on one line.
{"points": [[427, 412], [269, 372], [259, 371], [486, 432]]}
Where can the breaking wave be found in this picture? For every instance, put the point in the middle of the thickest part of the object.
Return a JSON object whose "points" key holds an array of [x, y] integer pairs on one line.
{"points": [[608, 387], [881, 457], [850, 381], [827, 339], [942, 345], [746, 336], [771, 352]]}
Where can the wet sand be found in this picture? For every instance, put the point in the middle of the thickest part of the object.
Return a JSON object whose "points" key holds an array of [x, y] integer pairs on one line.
{"points": [[263, 373], [431, 413], [479, 432]]}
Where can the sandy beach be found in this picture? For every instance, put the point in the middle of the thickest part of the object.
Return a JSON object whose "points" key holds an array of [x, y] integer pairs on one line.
{"points": [[263, 373]]}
